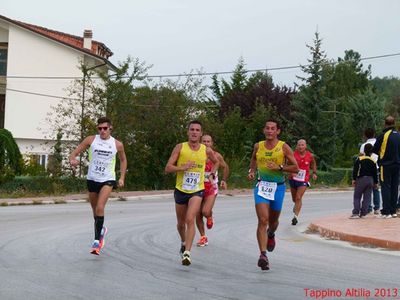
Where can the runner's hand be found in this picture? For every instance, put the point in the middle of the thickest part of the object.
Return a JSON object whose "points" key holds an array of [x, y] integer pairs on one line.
{"points": [[73, 162], [190, 164], [314, 176], [224, 185], [121, 183], [251, 176]]}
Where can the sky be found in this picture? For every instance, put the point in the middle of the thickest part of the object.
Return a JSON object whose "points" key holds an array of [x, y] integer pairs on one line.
{"points": [[182, 36]]}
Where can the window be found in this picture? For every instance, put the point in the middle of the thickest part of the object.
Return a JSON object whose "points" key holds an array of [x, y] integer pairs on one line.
{"points": [[2, 108], [3, 61]]}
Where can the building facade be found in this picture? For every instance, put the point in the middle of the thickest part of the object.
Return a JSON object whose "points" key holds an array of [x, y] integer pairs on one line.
{"points": [[37, 65]]}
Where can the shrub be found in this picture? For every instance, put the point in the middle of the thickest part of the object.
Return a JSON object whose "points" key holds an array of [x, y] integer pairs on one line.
{"points": [[42, 185]]}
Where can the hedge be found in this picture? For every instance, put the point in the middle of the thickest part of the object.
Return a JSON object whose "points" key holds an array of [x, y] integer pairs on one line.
{"points": [[42, 185]]}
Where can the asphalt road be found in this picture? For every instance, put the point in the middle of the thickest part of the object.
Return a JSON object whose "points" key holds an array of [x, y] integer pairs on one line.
{"points": [[44, 254]]}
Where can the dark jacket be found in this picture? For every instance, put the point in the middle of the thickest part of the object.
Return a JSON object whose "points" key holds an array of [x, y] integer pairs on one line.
{"points": [[391, 153], [365, 166]]}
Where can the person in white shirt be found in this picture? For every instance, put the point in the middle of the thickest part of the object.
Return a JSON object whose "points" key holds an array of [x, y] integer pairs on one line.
{"points": [[369, 134]]}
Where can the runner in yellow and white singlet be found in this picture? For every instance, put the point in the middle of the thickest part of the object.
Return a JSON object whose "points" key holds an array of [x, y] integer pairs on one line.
{"points": [[188, 161]]}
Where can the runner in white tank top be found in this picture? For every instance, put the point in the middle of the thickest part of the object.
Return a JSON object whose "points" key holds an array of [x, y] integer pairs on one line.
{"points": [[101, 174], [102, 158]]}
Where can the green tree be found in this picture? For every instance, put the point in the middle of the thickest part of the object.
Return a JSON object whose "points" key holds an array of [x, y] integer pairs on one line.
{"points": [[389, 89], [367, 110], [314, 112], [347, 78], [10, 157]]}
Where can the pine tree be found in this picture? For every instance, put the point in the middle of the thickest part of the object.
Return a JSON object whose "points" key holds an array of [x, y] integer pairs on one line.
{"points": [[314, 113]]}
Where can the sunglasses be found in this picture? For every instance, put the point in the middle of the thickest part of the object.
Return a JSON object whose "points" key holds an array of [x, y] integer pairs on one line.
{"points": [[100, 128]]}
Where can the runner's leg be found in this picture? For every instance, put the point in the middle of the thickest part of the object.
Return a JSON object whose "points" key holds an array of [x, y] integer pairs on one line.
{"points": [[192, 210], [180, 210], [299, 199], [99, 210], [200, 221], [262, 215]]}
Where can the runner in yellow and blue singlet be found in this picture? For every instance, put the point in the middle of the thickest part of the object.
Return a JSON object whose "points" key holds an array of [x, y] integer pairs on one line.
{"points": [[270, 159]]}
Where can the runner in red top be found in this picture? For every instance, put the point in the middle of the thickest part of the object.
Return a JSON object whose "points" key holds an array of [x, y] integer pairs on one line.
{"points": [[210, 191], [300, 181]]}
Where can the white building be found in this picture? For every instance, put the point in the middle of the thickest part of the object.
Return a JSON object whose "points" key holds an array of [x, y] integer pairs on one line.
{"points": [[37, 65]]}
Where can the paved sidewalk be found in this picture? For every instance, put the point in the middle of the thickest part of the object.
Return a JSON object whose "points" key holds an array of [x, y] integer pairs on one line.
{"points": [[370, 231]]}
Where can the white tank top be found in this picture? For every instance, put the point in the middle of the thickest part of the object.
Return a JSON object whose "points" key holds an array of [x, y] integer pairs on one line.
{"points": [[102, 157]]}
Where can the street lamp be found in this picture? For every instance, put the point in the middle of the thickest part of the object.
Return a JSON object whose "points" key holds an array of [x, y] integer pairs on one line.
{"points": [[85, 71]]}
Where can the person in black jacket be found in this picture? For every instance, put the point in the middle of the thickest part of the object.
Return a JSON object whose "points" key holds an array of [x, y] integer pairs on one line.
{"points": [[387, 146], [365, 177]]}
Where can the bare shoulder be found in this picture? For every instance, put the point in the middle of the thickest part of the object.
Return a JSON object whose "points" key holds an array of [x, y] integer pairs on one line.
{"points": [[287, 148], [119, 145], [89, 140], [218, 155]]}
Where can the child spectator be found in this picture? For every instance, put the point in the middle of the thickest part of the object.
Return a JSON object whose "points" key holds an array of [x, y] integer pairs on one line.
{"points": [[365, 178]]}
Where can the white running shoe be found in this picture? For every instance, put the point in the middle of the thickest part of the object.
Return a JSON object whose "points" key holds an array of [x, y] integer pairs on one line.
{"points": [[186, 261]]}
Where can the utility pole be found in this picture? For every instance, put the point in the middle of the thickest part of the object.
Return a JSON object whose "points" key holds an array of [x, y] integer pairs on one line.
{"points": [[85, 72]]}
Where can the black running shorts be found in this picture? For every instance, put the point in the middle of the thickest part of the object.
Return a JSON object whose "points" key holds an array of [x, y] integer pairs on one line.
{"points": [[95, 187], [183, 198]]}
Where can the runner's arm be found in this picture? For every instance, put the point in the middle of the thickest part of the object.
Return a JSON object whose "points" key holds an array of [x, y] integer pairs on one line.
{"points": [[314, 167], [171, 166], [78, 150], [253, 163], [211, 155], [224, 166], [122, 162], [291, 163]]}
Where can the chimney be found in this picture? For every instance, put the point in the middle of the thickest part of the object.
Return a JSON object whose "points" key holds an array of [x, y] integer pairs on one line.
{"points": [[87, 39]]}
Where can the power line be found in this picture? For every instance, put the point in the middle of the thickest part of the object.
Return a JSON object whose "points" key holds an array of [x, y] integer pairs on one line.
{"points": [[76, 99], [42, 95], [200, 73], [175, 75]]}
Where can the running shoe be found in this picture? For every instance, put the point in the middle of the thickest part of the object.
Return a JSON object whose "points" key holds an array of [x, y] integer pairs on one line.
{"points": [[354, 216], [210, 222], [394, 215], [102, 237], [263, 262], [186, 261], [294, 220], [182, 250], [377, 212], [95, 248], [271, 243], [203, 241]]}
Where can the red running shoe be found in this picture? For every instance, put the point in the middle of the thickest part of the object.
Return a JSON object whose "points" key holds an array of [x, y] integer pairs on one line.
{"points": [[102, 237], [203, 241], [95, 248], [263, 262], [271, 243], [210, 222]]}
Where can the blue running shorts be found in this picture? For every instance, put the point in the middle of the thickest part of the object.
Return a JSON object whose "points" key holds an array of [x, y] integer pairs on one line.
{"points": [[274, 204]]}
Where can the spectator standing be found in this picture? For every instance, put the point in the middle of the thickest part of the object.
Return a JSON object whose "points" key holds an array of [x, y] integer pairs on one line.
{"points": [[369, 134], [365, 177], [387, 146]]}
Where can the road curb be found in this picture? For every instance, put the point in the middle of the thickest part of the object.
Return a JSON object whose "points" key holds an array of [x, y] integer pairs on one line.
{"points": [[353, 238]]}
